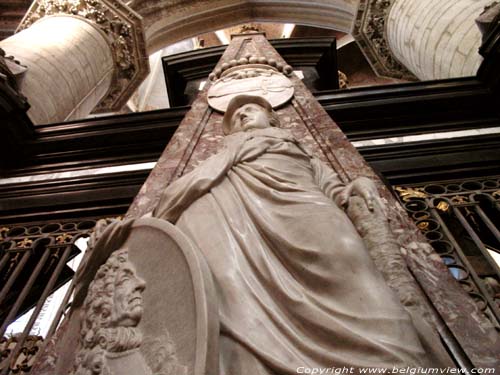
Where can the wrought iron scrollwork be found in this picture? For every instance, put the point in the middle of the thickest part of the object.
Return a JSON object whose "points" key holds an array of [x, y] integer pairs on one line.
{"points": [[461, 220], [33, 264]]}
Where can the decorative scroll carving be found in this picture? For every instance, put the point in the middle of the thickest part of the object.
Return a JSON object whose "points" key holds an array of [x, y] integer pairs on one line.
{"points": [[123, 29], [407, 193], [369, 32]]}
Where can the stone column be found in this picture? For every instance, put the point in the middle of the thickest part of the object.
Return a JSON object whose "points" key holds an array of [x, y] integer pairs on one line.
{"points": [[68, 72], [436, 39], [79, 55]]}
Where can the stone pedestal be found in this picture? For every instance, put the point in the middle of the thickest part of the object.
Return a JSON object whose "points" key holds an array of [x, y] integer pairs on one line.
{"points": [[436, 39], [79, 56]]}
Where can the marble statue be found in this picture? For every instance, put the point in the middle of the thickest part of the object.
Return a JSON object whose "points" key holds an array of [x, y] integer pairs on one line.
{"points": [[296, 286]]}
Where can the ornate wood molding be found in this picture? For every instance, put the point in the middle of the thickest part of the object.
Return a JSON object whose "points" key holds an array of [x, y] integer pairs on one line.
{"points": [[123, 28]]}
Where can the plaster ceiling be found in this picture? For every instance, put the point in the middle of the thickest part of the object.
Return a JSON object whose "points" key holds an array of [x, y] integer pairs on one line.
{"points": [[170, 21]]}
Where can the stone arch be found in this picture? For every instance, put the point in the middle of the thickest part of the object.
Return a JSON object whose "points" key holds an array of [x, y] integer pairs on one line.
{"points": [[169, 21]]}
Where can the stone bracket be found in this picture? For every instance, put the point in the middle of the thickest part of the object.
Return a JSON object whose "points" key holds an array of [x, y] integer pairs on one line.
{"points": [[370, 34], [124, 31]]}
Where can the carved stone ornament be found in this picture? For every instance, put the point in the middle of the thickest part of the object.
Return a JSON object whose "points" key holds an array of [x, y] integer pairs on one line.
{"points": [[123, 29], [251, 75], [249, 28], [144, 304], [286, 298], [370, 34], [343, 80]]}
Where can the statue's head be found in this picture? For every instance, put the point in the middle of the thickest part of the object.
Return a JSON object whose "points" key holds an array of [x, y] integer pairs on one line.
{"points": [[247, 112], [127, 297], [115, 295], [111, 312]]}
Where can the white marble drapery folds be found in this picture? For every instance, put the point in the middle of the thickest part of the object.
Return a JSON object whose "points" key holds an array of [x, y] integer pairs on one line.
{"points": [[296, 285]]}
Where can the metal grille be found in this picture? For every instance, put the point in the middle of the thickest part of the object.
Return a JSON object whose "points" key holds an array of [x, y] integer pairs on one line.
{"points": [[33, 264], [461, 219]]}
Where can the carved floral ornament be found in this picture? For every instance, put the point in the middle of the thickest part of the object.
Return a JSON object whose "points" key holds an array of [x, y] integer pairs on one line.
{"points": [[123, 29], [369, 32]]}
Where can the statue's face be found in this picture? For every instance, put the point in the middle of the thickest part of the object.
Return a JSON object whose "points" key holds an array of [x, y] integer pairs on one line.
{"points": [[249, 116], [127, 298]]}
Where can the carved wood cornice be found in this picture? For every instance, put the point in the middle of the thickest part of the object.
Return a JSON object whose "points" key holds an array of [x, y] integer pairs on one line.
{"points": [[124, 31], [370, 34]]}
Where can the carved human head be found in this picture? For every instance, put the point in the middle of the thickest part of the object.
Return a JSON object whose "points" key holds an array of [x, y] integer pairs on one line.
{"points": [[127, 297], [108, 297], [114, 298], [111, 312], [246, 112]]}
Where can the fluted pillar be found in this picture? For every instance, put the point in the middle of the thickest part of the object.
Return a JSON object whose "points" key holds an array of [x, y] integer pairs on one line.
{"points": [[79, 56], [436, 39]]}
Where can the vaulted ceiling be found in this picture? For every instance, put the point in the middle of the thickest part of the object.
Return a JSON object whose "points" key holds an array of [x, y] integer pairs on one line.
{"points": [[169, 21]]}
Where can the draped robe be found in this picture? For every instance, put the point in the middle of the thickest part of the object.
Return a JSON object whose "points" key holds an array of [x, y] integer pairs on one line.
{"points": [[296, 285]]}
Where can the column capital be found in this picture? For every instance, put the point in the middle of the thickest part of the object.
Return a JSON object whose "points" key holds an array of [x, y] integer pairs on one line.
{"points": [[123, 30], [370, 34]]}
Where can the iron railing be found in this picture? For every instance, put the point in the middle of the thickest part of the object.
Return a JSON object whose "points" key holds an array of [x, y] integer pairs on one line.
{"points": [[33, 265], [461, 219]]}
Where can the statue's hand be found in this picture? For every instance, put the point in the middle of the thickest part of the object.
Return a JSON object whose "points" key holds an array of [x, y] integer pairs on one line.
{"points": [[363, 187]]}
